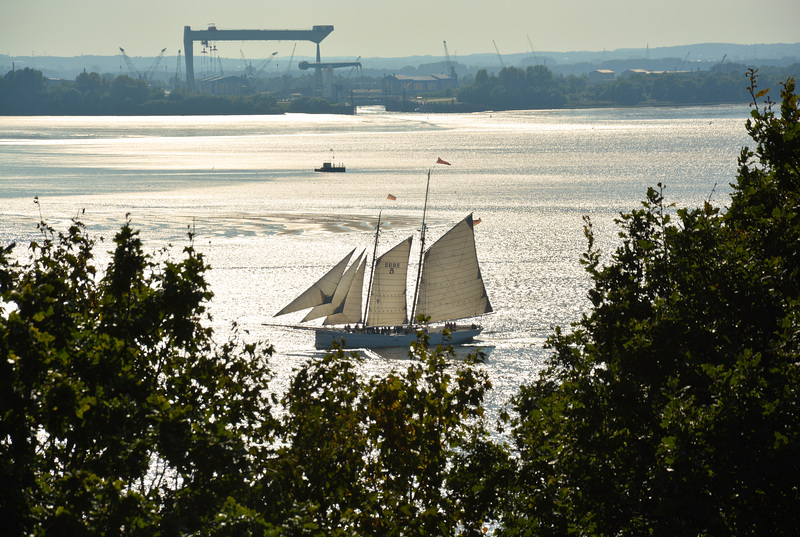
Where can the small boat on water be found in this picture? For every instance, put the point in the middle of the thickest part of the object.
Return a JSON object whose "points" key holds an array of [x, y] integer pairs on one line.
{"points": [[449, 287], [331, 167]]}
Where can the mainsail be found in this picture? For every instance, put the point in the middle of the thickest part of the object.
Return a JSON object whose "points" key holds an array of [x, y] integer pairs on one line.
{"points": [[387, 301], [451, 286], [322, 291]]}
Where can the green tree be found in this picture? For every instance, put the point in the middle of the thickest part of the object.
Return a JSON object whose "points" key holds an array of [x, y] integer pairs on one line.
{"points": [[624, 92], [532, 88], [91, 84], [119, 414], [673, 407], [311, 105], [21, 92], [377, 456]]}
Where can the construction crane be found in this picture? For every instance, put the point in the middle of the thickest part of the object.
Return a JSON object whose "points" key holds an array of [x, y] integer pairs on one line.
{"points": [[451, 69], [264, 65], [286, 74], [530, 44], [248, 66], [291, 59], [148, 75], [215, 55], [680, 67], [136, 74], [129, 63], [354, 67], [502, 63], [178, 70]]}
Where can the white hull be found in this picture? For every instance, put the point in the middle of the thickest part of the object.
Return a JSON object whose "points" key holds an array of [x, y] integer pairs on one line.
{"points": [[360, 340]]}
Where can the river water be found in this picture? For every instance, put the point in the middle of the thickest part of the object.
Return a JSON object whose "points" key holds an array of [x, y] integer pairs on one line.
{"points": [[269, 226]]}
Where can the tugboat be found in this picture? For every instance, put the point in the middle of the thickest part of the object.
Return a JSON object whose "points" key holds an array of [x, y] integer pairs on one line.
{"points": [[330, 167]]}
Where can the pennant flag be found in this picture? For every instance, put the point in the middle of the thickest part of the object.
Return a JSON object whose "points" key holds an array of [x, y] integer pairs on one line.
{"points": [[440, 161], [390, 197], [476, 222]]}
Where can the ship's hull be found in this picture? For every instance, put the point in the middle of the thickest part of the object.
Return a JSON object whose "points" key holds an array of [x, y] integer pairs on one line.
{"points": [[376, 340], [330, 168]]}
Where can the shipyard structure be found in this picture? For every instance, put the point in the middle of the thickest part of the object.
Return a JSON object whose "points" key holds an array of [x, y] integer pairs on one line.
{"points": [[397, 86], [315, 35]]}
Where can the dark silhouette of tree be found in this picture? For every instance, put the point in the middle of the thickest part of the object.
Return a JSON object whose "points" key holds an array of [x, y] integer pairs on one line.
{"points": [[21, 92], [672, 406], [532, 88], [122, 416]]}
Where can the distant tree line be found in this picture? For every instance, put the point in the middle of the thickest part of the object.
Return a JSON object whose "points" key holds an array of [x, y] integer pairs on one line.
{"points": [[536, 87], [28, 92]]}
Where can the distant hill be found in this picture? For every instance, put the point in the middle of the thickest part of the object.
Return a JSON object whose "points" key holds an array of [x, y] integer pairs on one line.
{"points": [[684, 57]]}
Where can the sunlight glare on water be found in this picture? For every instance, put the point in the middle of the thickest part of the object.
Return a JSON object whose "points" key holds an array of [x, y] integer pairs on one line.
{"points": [[269, 226]]}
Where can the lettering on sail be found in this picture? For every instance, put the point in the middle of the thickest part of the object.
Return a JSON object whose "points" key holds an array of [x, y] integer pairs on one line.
{"points": [[391, 265]]}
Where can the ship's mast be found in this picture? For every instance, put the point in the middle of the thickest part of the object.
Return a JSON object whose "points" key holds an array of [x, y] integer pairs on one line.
{"points": [[372, 270], [421, 250]]}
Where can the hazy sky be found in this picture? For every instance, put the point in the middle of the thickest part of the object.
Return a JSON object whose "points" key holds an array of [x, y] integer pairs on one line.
{"points": [[371, 28]]}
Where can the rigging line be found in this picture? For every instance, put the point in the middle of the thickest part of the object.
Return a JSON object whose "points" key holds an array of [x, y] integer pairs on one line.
{"points": [[421, 250], [372, 270]]}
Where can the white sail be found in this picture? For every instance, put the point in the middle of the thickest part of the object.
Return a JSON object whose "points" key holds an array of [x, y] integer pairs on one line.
{"points": [[349, 310], [451, 286], [321, 292], [339, 295], [387, 302]]}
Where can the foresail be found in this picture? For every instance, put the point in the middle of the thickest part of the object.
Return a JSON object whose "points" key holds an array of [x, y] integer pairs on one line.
{"points": [[339, 295], [322, 291], [451, 286], [349, 311], [387, 303]]}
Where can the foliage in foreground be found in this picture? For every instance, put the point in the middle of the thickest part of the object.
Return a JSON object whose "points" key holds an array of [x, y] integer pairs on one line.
{"points": [[118, 412], [121, 417], [673, 408]]}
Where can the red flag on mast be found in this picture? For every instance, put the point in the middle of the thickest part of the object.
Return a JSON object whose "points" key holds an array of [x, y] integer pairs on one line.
{"points": [[440, 161]]}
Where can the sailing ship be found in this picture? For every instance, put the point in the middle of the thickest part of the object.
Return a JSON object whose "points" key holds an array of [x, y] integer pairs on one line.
{"points": [[449, 288]]}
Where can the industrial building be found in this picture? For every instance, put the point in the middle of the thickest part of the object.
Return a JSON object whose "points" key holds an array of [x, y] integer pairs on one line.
{"points": [[601, 76], [407, 85], [223, 85]]}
